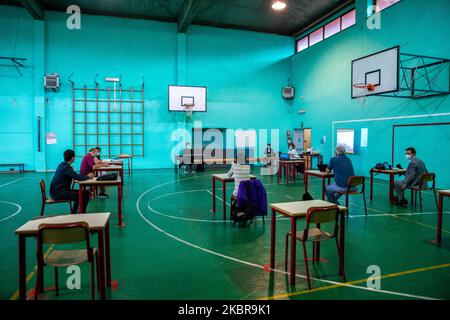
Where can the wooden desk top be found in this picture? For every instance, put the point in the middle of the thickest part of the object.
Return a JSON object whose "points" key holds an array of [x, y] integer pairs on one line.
{"points": [[96, 221], [299, 208], [108, 168], [392, 171], [124, 156], [292, 161], [226, 178], [319, 173], [93, 181], [444, 192]]}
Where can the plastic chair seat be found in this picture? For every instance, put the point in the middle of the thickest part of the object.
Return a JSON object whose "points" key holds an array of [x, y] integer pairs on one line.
{"points": [[65, 258], [314, 235]]}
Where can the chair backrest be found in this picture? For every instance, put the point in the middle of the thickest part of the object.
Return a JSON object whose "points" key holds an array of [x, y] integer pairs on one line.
{"points": [[321, 215], [63, 233], [427, 177], [355, 181], [42, 185]]}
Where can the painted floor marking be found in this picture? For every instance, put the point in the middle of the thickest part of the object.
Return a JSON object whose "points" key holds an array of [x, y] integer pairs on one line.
{"points": [[247, 262]]}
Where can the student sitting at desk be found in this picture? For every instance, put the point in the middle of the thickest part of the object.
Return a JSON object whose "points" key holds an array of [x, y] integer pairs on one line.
{"points": [[342, 167], [186, 158], [239, 172], [292, 152], [412, 176], [267, 154], [60, 188], [87, 166]]}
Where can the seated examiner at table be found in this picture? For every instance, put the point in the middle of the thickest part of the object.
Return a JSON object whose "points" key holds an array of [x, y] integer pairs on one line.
{"points": [[88, 164], [186, 158], [239, 171], [60, 188], [412, 176], [342, 167]]}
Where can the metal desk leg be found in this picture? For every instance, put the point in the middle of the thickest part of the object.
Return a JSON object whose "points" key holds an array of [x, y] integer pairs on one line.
{"points": [[273, 222]]}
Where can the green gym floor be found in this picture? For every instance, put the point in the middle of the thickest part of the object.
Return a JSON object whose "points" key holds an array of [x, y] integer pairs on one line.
{"points": [[172, 247]]}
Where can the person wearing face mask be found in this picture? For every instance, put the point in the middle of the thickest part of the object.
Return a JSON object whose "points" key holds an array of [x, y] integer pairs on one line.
{"points": [[342, 167], [412, 176], [87, 166], [292, 152]]}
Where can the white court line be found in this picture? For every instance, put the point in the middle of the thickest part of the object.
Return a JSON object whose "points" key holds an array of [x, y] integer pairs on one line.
{"points": [[254, 264], [19, 208], [8, 183]]}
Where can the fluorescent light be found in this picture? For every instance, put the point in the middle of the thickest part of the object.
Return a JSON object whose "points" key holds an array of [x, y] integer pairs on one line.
{"points": [[278, 5]]}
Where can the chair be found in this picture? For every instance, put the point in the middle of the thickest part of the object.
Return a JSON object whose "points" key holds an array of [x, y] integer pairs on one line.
{"points": [[425, 178], [318, 216], [65, 233], [233, 205], [46, 200], [353, 183]]}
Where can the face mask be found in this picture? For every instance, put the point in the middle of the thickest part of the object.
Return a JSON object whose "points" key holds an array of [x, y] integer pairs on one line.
{"points": [[408, 157]]}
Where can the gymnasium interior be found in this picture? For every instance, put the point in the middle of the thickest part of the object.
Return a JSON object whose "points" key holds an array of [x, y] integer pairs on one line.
{"points": [[168, 102]]}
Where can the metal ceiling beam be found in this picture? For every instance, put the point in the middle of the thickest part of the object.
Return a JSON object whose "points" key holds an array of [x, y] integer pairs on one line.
{"points": [[34, 8], [187, 14]]}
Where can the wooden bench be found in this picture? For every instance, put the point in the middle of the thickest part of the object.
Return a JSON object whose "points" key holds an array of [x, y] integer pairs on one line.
{"points": [[20, 165]]}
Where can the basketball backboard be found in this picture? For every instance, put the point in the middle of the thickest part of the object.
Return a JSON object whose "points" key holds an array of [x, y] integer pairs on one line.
{"points": [[379, 70]]}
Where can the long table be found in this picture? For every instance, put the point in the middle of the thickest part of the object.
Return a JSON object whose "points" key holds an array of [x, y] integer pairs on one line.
{"points": [[98, 224], [295, 211]]}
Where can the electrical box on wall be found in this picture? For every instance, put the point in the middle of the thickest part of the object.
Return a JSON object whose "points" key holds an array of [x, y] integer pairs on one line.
{"points": [[288, 92], [51, 81]]}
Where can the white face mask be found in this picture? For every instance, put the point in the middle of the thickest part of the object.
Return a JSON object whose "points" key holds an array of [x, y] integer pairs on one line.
{"points": [[408, 157]]}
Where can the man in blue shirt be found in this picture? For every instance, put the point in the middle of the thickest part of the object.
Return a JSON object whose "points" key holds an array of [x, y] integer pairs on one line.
{"points": [[342, 167], [61, 186]]}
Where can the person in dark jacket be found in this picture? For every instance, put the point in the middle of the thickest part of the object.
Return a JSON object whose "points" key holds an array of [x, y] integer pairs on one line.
{"points": [[412, 176], [60, 188]]}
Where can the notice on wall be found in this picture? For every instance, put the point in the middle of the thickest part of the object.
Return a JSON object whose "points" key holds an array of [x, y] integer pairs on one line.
{"points": [[50, 138]]}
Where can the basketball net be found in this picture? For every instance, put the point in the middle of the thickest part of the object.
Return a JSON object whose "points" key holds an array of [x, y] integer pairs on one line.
{"points": [[362, 90], [189, 109]]}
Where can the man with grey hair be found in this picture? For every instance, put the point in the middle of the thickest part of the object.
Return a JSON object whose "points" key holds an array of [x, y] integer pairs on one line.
{"points": [[342, 167]]}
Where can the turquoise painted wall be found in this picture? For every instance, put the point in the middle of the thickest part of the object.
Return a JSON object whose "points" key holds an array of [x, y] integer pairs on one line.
{"points": [[322, 75], [20, 97], [238, 89]]}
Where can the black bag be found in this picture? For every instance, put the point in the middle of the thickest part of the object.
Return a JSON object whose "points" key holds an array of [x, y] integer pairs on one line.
{"points": [[307, 196], [108, 177], [200, 168], [383, 166]]}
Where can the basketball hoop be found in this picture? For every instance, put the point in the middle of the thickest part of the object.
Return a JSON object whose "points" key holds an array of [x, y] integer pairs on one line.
{"points": [[362, 89], [189, 109]]}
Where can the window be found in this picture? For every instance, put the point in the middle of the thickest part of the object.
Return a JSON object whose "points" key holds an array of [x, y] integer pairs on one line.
{"points": [[302, 44], [346, 138], [316, 37], [383, 4], [332, 28], [364, 137], [337, 25], [348, 19]]}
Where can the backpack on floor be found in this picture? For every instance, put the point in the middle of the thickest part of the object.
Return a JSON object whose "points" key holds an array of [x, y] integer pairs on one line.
{"points": [[306, 196], [200, 168]]}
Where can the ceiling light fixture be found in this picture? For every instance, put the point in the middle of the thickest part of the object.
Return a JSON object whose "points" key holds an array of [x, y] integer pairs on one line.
{"points": [[278, 5]]}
